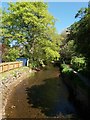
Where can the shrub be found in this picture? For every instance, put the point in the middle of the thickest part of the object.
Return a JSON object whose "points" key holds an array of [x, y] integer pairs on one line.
{"points": [[10, 55], [34, 65], [66, 69], [78, 63]]}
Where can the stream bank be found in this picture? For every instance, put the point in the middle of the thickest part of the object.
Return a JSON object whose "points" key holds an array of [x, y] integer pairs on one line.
{"points": [[9, 81], [79, 94], [41, 96]]}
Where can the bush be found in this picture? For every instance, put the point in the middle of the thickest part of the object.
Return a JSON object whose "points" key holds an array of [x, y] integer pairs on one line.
{"points": [[34, 64], [10, 55], [66, 69], [78, 63]]}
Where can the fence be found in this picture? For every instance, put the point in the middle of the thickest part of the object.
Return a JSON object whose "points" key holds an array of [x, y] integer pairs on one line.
{"points": [[10, 65]]}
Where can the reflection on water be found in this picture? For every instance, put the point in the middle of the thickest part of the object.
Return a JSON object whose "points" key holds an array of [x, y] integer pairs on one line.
{"points": [[43, 95], [50, 97]]}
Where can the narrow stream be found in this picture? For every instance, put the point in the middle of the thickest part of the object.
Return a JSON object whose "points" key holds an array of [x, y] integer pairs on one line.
{"points": [[40, 96]]}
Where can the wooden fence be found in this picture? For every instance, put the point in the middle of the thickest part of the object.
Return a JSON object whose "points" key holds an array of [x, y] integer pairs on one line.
{"points": [[10, 65]]}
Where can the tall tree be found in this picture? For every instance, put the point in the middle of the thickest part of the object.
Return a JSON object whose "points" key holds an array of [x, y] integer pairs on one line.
{"points": [[80, 33], [30, 24]]}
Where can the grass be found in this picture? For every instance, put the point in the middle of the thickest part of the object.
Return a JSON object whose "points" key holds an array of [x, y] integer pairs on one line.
{"points": [[13, 73]]}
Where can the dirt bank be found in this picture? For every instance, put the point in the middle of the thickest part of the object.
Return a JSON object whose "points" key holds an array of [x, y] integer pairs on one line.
{"points": [[9, 80]]}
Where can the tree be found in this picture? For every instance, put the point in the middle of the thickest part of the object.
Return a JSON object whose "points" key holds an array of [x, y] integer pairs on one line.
{"points": [[31, 24], [10, 55], [79, 32], [67, 51]]}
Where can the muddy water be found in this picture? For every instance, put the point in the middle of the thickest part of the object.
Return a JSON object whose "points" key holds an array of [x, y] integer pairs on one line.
{"points": [[40, 96]]}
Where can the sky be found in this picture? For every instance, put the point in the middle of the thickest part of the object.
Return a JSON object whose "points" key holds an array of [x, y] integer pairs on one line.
{"points": [[64, 12]]}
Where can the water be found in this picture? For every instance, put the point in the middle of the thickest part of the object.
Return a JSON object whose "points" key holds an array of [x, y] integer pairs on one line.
{"points": [[40, 96]]}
